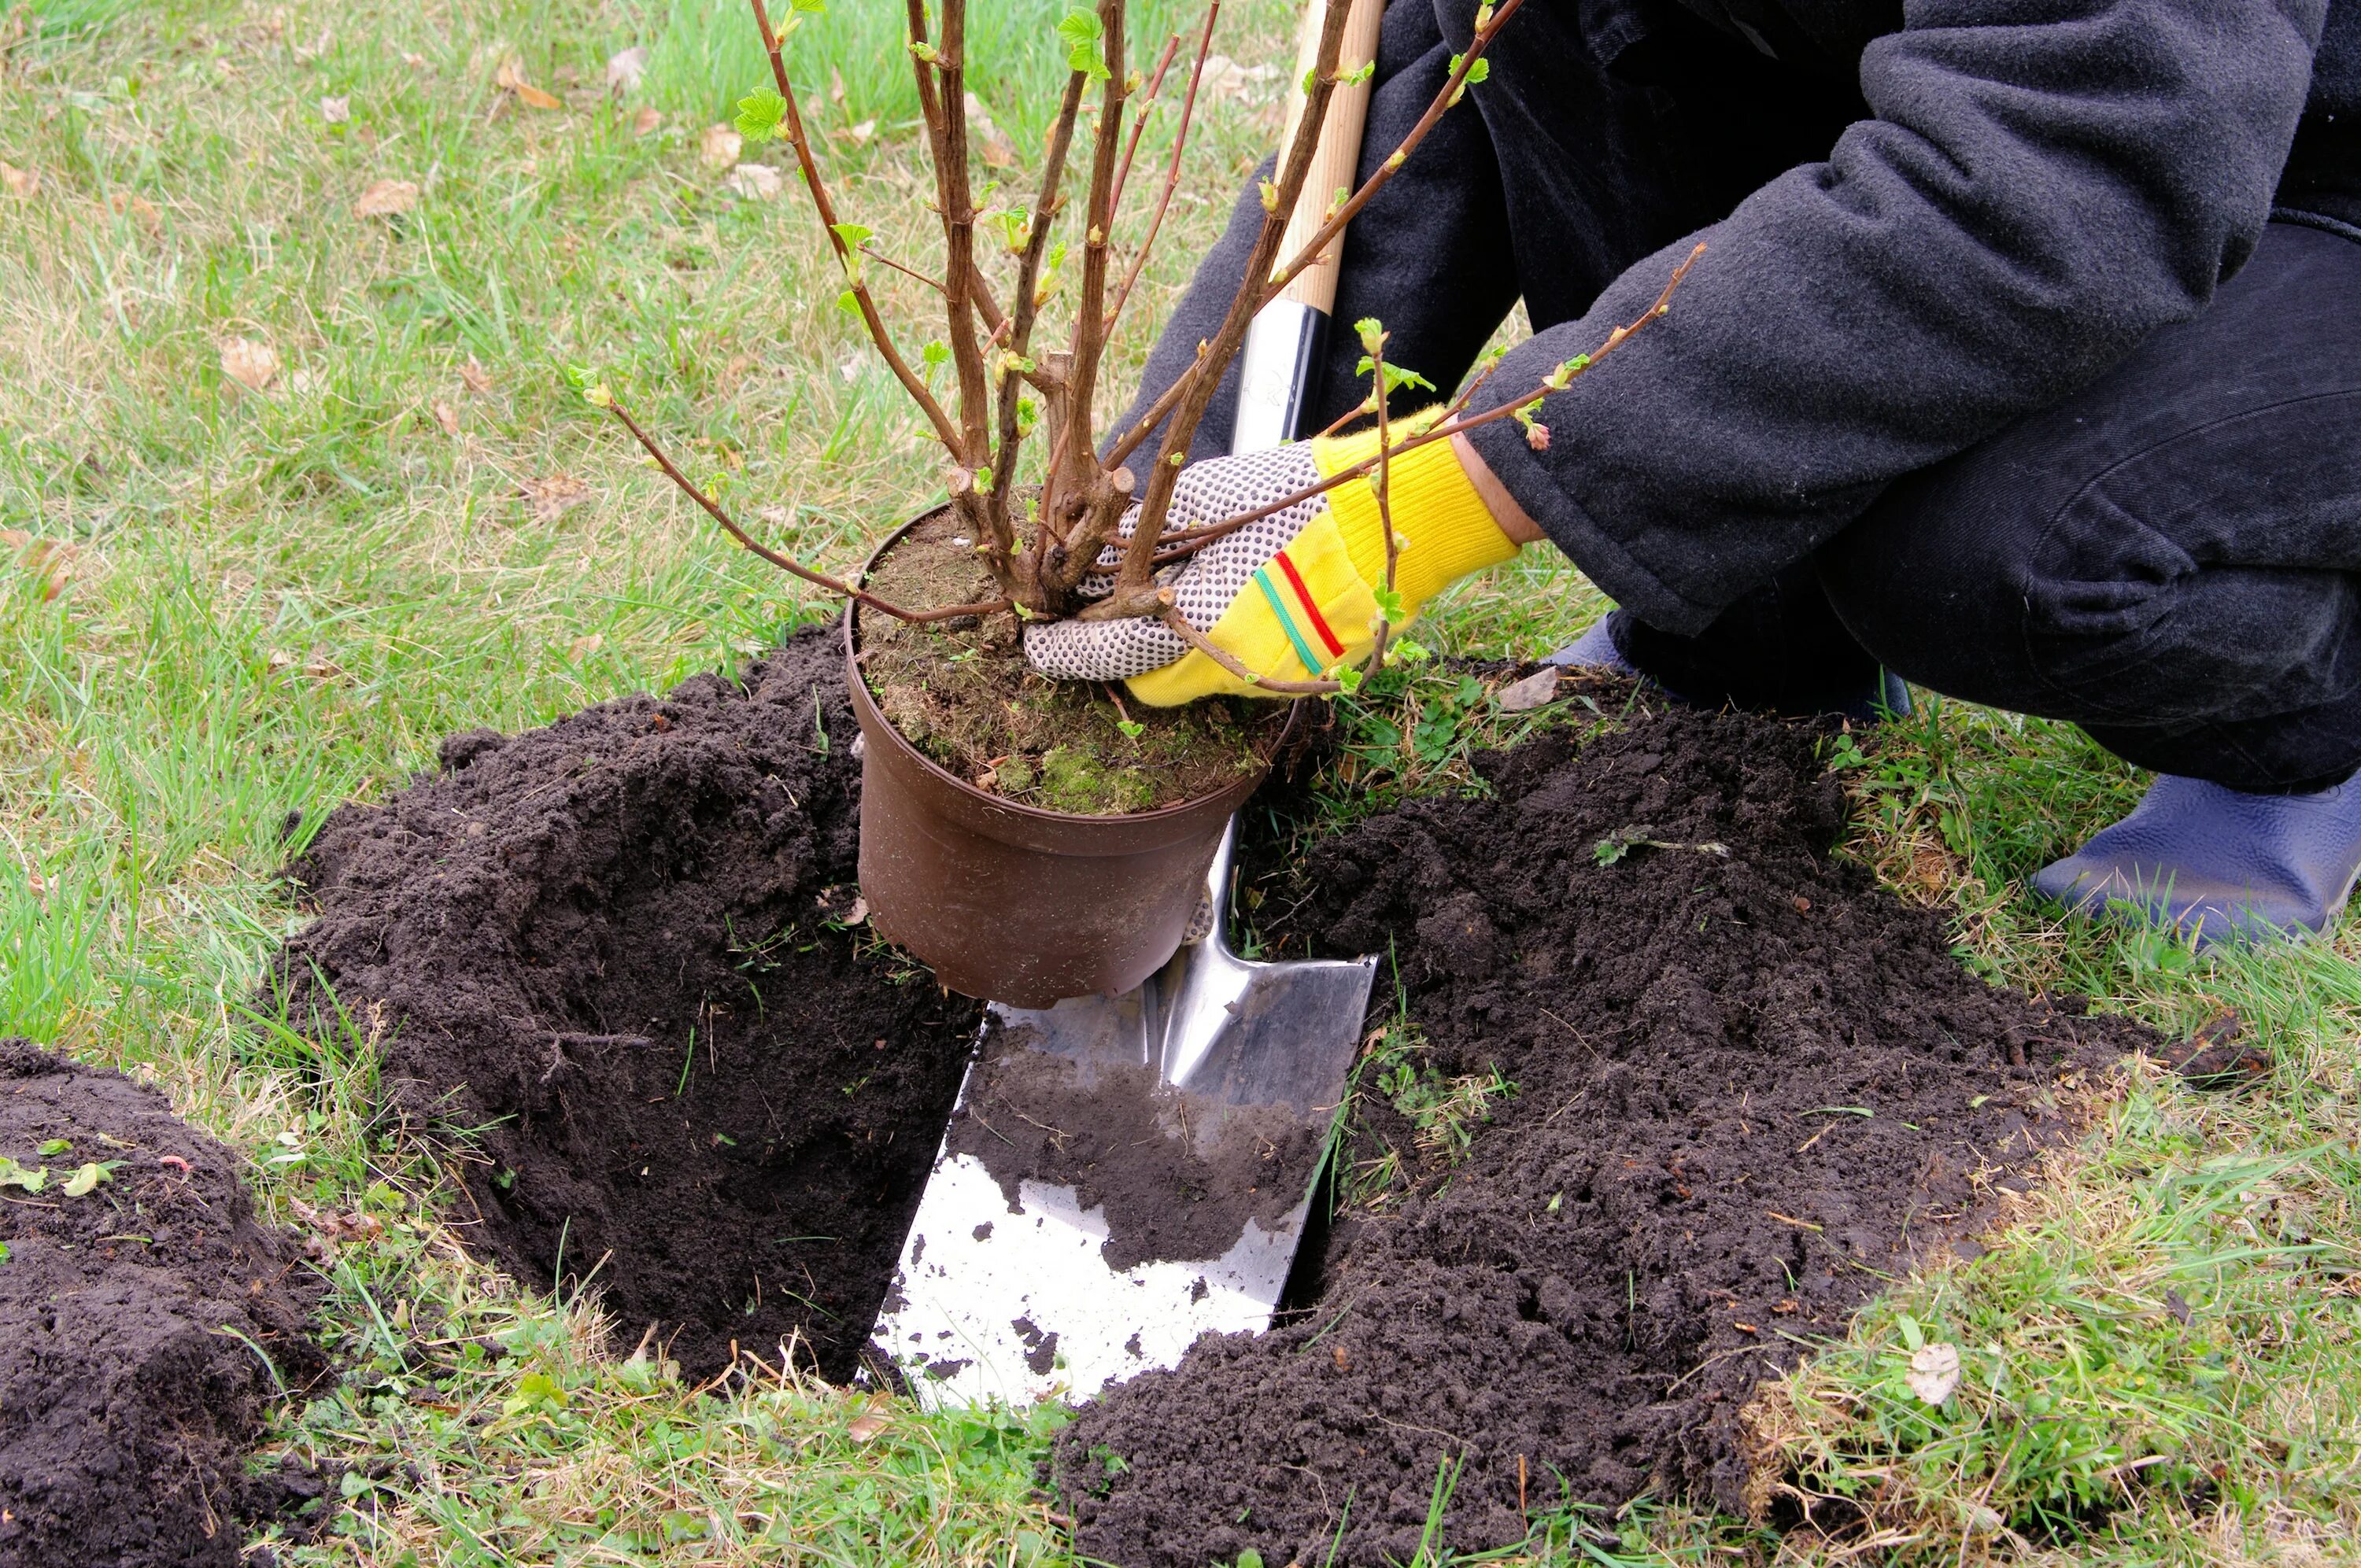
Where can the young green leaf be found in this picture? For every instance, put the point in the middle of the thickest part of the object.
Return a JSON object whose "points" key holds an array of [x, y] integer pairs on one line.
{"points": [[1389, 603], [1081, 31], [759, 114], [935, 353], [56, 1146], [85, 1182], [1131, 727], [15, 1175], [854, 236]]}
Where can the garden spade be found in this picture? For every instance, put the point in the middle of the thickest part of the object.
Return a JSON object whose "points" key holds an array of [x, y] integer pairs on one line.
{"points": [[1124, 1173]]}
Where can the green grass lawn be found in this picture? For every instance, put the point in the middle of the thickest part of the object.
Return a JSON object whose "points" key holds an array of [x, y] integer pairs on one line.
{"points": [[223, 604]]}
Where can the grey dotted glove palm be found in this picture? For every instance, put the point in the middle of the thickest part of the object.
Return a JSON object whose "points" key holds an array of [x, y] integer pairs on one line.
{"points": [[1204, 586]]}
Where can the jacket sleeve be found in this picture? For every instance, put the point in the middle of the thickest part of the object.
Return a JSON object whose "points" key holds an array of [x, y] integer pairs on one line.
{"points": [[2044, 183]]}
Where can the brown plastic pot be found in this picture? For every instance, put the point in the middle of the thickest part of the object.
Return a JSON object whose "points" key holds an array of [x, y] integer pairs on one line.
{"points": [[1009, 901]]}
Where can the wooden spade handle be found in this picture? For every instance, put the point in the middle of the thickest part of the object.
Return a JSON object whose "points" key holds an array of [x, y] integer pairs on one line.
{"points": [[1338, 155]]}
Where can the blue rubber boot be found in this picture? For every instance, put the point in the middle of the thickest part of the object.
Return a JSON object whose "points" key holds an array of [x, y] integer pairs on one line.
{"points": [[2221, 865], [1596, 649]]}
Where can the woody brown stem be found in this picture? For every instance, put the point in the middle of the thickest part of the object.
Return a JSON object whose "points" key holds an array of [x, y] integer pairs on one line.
{"points": [[845, 256], [1090, 333], [1139, 118], [1334, 223], [1381, 483], [1139, 557], [1210, 365], [1023, 307], [1172, 171], [818, 579], [1197, 640]]}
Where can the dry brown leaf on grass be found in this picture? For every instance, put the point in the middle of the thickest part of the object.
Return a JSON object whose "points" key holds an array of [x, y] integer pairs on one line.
{"points": [[646, 122], [1535, 691], [756, 181], [1225, 78], [625, 67], [859, 134], [554, 495], [446, 416], [337, 111], [49, 561], [718, 147], [865, 1427], [478, 380], [509, 78], [998, 151], [138, 208], [249, 362], [386, 199], [23, 184], [315, 664], [583, 647]]}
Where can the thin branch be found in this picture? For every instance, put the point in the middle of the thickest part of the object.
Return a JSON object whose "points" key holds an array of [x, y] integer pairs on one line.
{"points": [[1024, 307], [1139, 118], [1382, 483], [910, 381], [1335, 221], [1197, 640], [818, 579], [1089, 301], [1181, 544], [1279, 205], [906, 271], [1172, 171], [959, 226], [1210, 365]]}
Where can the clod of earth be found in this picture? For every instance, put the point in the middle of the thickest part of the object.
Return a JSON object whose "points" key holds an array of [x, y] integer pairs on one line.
{"points": [[1587, 1292], [618, 946], [148, 1324]]}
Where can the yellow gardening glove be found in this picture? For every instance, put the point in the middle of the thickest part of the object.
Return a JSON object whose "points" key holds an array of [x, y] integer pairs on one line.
{"points": [[1292, 596]]}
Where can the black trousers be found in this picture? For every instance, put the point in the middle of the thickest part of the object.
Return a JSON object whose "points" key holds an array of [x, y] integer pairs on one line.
{"points": [[2169, 558]]}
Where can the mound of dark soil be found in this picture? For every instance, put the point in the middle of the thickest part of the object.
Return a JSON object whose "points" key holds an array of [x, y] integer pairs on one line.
{"points": [[1748, 1086], [621, 954], [133, 1318]]}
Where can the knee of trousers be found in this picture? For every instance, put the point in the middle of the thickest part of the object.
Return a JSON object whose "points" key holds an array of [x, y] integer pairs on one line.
{"points": [[2111, 597]]}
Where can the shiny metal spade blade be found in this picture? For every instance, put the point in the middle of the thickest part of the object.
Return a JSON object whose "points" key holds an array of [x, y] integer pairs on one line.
{"points": [[1124, 1174]]}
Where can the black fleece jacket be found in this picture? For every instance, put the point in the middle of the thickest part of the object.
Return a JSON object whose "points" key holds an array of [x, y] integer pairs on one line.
{"points": [[2039, 185]]}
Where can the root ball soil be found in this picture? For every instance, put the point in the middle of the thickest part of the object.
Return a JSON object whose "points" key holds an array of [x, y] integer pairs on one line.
{"points": [[962, 693], [619, 961], [147, 1324], [1746, 1086]]}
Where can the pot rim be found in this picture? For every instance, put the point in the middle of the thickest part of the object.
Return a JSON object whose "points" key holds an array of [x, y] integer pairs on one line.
{"points": [[1023, 812]]}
